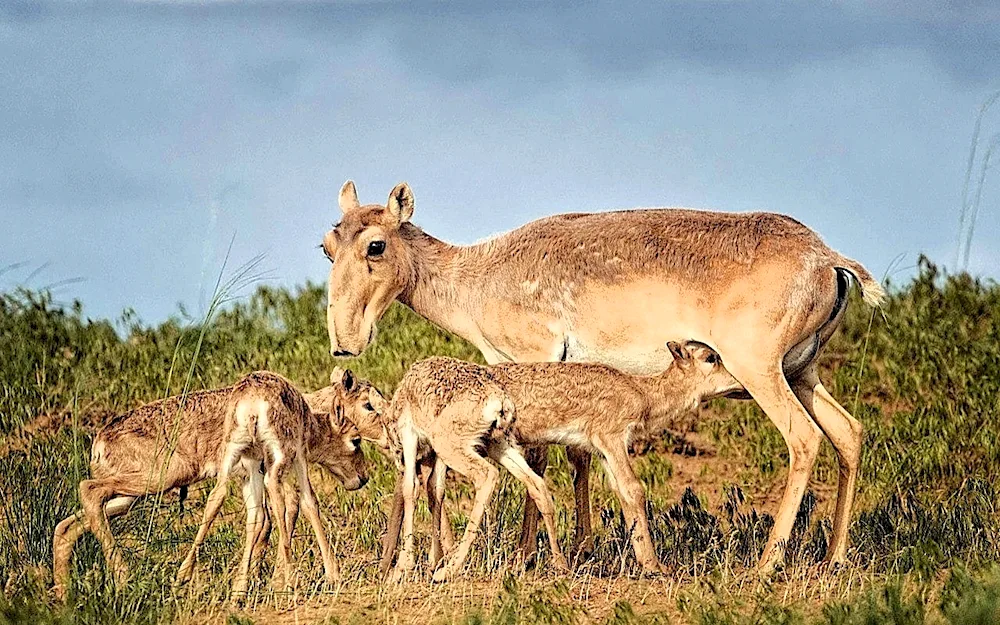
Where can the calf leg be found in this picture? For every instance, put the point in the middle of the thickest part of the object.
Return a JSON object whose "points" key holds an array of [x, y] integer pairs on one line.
{"points": [[632, 495], [395, 522], [408, 441], [68, 532], [94, 495], [253, 500], [484, 475], [274, 484], [434, 473], [330, 569], [212, 507], [511, 459]]}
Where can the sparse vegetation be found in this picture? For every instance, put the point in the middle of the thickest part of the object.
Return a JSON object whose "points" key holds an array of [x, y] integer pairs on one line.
{"points": [[924, 543]]}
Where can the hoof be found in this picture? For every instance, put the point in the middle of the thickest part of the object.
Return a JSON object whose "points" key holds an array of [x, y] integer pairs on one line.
{"points": [[396, 576], [560, 563], [583, 549], [442, 575]]}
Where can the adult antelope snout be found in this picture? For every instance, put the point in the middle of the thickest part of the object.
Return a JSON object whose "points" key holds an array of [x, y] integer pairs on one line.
{"points": [[336, 349], [348, 336]]}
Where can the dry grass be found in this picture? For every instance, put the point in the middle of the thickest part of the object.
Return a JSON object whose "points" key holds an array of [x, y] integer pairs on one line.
{"points": [[927, 513]]}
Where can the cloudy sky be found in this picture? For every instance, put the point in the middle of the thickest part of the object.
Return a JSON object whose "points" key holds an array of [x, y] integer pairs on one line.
{"points": [[138, 139]]}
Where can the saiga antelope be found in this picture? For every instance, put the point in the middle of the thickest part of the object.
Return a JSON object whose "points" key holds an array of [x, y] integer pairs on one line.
{"points": [[452, 411], [760, 289], [377, 429], [261, 421], [592, 406]]}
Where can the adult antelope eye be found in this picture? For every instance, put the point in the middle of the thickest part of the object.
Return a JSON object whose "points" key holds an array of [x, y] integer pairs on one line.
{"points": [[368, 406], [376, 248], [356, 442]]}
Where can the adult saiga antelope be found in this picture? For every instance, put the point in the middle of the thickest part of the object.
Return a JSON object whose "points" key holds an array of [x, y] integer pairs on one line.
{"points": [[760, 289], [261, 421]]}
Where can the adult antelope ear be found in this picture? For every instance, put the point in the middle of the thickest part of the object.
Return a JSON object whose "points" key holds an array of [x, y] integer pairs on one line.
{"points": [[348, 197], [400, 203], [680, 353]]}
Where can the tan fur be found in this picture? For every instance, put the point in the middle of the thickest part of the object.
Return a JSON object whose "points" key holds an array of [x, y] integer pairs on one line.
{"points": [[455, 411], [363, 402], [259, 428], [371, 408], [578, 404], [761, 289]]}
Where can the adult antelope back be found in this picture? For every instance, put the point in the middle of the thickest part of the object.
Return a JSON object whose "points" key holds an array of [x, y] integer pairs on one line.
{"points": [[761, 289]]}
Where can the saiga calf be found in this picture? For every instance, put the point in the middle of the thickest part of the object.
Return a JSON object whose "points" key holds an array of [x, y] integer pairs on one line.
{"points": [[261, 421], [590, 406]]}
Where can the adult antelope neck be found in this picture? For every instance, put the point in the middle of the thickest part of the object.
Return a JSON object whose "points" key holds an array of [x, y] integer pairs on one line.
{"points": [[446, 282]]}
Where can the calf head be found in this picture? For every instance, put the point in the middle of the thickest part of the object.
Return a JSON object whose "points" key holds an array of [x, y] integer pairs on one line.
{"points": [[361, 403], [701, 371], [354, 412]]}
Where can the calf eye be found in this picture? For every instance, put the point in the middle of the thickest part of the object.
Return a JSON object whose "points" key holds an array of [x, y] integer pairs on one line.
{"points": [[356, 442], [376, 248], [368, 406]]}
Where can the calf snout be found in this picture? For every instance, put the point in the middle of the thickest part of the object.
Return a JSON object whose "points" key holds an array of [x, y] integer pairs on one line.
{"points": [[356, 482]]}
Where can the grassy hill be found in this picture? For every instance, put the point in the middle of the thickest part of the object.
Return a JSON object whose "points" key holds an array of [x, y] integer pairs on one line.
{"points": [[924, 379]]}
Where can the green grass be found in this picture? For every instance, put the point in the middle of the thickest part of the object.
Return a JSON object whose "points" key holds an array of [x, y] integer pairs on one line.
{"points": [[924, 540]]}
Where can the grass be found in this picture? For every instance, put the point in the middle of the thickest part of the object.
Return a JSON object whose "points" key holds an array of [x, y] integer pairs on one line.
{"points": [[925, 539]]}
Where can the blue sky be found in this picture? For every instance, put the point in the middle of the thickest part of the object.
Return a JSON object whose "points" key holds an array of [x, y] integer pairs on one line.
{"points": [[138, 139]]}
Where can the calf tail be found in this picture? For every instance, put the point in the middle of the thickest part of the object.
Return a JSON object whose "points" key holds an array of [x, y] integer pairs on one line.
{"points": [[499, 411]]}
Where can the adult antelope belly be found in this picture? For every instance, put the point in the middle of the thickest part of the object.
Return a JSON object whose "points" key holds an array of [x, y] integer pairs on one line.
{"points": [[511, 332], [627, 324]]}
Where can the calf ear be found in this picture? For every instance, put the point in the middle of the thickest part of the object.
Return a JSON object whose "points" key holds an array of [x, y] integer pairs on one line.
{"points": [[400, 204], [347, 380], [348, 199], [679, 352], [336, 375], [336, 414]]}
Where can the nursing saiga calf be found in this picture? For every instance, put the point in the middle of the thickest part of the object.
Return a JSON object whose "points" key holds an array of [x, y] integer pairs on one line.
{"points": [[594, 407], [762, 290], [262, 423]]}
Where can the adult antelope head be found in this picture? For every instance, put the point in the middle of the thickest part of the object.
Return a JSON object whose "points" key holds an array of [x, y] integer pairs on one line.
{"points": [[371, 266]]}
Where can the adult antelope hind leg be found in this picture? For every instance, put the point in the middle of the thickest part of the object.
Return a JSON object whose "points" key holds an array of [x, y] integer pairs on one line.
{"points": [[846, 434], [778, 320], [537, 458], [802, 436]]}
